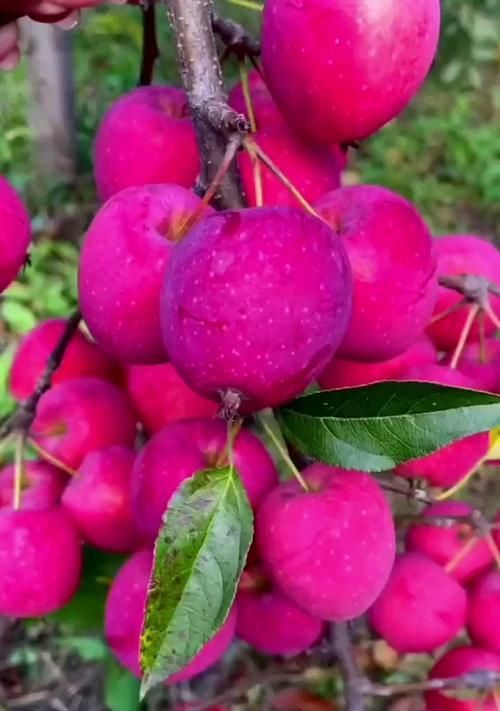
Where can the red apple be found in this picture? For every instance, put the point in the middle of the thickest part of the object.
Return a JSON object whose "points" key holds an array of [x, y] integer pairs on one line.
{"points": [[82, 358], [146, 137]]}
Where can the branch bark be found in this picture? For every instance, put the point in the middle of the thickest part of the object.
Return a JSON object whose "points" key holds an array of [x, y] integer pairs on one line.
{"points": [[201, 74], [150, 50], [353, 694], [23, 417]]}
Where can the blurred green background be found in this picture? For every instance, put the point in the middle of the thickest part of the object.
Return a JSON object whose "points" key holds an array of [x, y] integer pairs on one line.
{"points": [[443, 152]]}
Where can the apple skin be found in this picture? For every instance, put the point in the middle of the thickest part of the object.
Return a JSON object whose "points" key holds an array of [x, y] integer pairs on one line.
{"points": [[462, 254], [183, 448], [269, 621], [81, 359], [256, 301], [146, 137], [483, 618], [391, 253], [420, 608], [330, 549], [451, 463], [123, 261], [82, 415], [160, 396], [312, 170], [99, 500], [42, 487], [15, 235], [345, 373], [124, 614], [456, 662], [40, 561], [341, 70], [443, 543]]}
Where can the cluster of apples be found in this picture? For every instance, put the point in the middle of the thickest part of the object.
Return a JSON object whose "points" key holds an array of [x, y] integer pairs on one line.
{"points": [[187, 305]]}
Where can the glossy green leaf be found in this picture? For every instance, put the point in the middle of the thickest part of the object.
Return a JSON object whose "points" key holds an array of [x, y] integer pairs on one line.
{"points": [[376, 427], [199, 556]]}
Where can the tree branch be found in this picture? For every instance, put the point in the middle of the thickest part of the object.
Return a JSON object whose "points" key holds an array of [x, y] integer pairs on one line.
{"points": [[201, 74], [22, 419], [480, 680], [150, 50], [342, 645], [236, 39]]}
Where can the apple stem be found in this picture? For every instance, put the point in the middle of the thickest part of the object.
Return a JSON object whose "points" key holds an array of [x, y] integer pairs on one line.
{"points": [[469, 321], [248, 97], [251, 145], [232, 147], [447, 312], [461, 554], [492, 315], [248, 4], [282, 449], [18, 471], [150, 49], [483, 351], [51, 459], [448, 493], [494, 549]]}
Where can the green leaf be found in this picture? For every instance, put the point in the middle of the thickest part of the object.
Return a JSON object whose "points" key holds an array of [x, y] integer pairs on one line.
{"points": [[121, 689], [376, 427], [85, 611], [199, 556]]}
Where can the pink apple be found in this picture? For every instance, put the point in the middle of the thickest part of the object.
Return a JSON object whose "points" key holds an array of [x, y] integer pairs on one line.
{"points": [[420, 608], [40, 561], [125, 608], [42, 485], [184, 448], [344, 373], [451, 463], [146, 137], [15, 234], [330, 549], [122, 266], [269, 621], [161, 396], [462, 254], [443, 543], [394, 269], [81, 415], [256, 301], [456, 662], [82, 358], [98, 500], [339, 71], [483, 618]]}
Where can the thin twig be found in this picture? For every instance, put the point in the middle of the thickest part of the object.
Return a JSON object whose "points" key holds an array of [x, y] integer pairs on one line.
{"points": [[150, 50], [22, 419], [479, 680], [236, 39], [351, 676]]}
